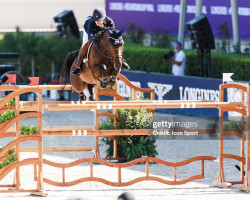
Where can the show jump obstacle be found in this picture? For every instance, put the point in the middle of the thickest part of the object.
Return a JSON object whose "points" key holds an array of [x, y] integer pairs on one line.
{"points": [[36, 109]]}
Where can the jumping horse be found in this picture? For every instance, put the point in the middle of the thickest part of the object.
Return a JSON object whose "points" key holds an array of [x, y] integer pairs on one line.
{"points": [[103, 65]]}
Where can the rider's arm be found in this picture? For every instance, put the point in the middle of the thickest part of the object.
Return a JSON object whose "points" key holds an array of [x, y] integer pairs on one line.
{"points": [[175, 62], [90, 32], [109, 22]]}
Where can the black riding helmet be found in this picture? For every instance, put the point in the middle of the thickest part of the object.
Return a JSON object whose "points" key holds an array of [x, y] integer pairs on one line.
{"points": [[99, 14], [126, 196]]}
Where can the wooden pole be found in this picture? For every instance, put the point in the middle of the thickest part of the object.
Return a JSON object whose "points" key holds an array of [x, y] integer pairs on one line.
{"points": [[17, 99], [248, 143], [242, 141], [115, 126], [40, 144], [221, 115], [56, 149], [202, 168], [97, 152], [133, 95], [175, 173], [140, 105], [35, 172], [246, 184], [91, 169], [63, 174], [147, 168]]}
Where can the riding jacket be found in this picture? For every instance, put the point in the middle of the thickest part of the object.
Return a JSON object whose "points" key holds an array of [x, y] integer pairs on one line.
{"points": [[91, 28]]}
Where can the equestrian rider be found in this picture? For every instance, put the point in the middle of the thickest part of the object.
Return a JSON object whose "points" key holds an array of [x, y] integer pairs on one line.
{"points": [[92, 26]]}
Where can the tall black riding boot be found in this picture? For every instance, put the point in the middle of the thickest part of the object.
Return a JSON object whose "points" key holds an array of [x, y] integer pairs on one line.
{"points": [[77, 69]]}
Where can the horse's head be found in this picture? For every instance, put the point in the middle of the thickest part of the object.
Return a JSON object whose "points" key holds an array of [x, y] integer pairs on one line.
{"points": [[112, 43], [116, 47], [108, 52]]}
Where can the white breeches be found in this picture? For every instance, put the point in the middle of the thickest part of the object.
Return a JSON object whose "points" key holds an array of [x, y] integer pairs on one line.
{"points": [[84, 38], [84, 41]]}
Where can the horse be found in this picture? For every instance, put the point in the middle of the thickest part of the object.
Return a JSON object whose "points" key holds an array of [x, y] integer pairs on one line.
{"points": [[103, 65]]}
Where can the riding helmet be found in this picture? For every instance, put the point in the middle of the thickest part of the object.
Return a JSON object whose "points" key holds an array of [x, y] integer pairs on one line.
{"points": [[126, 196], [99, 14]]}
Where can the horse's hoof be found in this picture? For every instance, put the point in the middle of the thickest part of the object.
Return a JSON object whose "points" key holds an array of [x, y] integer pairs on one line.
{"points": [[104, 83], [112, 81], [82, 98], [91, 98]]}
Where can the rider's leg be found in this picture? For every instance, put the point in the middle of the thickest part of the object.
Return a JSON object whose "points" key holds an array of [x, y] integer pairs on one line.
{"points": [[77, 69], [82, 54]]}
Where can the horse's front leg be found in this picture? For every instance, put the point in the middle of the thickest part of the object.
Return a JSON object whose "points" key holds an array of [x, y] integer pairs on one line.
{"points": [[100, 71], [113, 78]]}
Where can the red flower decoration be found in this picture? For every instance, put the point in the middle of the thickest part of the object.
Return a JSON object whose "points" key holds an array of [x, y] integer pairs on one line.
{"points": [[105, 22]]}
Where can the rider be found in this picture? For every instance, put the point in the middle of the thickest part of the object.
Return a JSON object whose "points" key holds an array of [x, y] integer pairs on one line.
{"points": [[91, 27]]}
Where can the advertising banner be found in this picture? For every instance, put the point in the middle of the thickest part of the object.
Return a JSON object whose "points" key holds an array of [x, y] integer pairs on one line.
{"points": [[169, 87], [155, 15]]}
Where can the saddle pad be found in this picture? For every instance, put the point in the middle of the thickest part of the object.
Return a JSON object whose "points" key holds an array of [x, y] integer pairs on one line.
{"points": [[89, 50]]}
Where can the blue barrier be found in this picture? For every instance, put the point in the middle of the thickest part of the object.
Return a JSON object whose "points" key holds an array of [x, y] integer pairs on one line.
{"points": [[169, 87]]}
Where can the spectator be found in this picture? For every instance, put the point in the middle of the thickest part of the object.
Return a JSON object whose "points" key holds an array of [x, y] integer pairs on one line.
{"points": [[126, 196], [178, 61]]}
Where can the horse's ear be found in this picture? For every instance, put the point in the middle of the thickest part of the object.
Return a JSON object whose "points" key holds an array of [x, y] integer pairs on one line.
{"points": [[122, 31]]}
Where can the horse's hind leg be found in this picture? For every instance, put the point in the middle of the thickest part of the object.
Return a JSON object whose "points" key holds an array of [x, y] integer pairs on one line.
{"points": [[82, 97], [91, 92]]}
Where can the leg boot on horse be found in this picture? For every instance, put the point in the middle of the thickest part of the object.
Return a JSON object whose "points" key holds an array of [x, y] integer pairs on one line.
{"points": [[91, 92], [125, 65], [112, 80]]}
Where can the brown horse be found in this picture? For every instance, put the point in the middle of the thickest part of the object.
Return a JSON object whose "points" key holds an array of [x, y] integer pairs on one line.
{"points": [[103, 66]]}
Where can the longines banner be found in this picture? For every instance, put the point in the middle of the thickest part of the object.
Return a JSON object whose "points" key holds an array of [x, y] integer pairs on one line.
{"points": [[155, 15], [168, 87]]}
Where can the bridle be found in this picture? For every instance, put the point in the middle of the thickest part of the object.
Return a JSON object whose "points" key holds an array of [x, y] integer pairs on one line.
{"points": [[108, 55]]}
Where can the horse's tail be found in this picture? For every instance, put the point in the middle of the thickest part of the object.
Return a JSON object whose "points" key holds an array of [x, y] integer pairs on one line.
{"points": [[65, 73]]}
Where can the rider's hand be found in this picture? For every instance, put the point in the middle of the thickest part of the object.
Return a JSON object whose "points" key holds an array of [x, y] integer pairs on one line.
{"points": [[98, 35]]}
